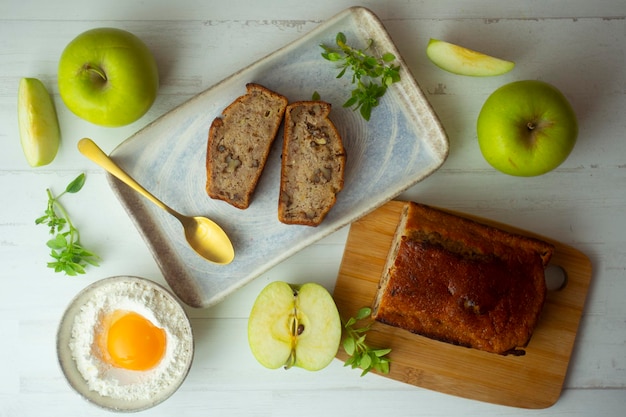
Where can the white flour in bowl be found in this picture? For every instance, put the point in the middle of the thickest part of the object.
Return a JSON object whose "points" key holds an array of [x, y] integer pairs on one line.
{"points": [[151, 303]]}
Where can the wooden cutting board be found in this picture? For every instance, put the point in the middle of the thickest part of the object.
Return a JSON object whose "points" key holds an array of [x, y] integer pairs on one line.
{"points": [[534, 380]]}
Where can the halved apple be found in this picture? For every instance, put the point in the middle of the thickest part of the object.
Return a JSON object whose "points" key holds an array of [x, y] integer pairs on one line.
{"points": [[462, 61], [38, 125], [293, 325]]}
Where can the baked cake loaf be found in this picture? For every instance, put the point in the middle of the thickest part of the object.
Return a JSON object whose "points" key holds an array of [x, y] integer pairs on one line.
{"points": [[313, 164], [462, 282], [239, 144]]}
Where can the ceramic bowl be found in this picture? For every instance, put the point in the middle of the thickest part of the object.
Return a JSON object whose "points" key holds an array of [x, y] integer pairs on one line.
{"points": [[66, 335]]}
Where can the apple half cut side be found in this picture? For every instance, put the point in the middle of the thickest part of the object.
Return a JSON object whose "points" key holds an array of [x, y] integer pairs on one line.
{"points": [[462, 61], [38, 124], [293, 325]]}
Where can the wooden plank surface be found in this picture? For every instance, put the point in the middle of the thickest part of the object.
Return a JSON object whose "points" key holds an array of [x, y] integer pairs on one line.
{"points": [[579, 48], [534, 380]]}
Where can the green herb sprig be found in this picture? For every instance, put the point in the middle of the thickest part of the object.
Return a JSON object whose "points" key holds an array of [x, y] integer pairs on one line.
{"points": [[361, 355], [69, 256], [372, 75]]}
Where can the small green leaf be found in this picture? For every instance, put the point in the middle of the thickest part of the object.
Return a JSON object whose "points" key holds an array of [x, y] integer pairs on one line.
{"points": [[76, 267], [366, 111], [366, 361], [370, 62], [58, 242], [382, 367], [389, 57], [362, 329], [340, 38], [349, 345], [42, 219], [76, 185], [363, 313], [350, 322], [349, 361], [333, 56], [381, 352], [350, 102]]}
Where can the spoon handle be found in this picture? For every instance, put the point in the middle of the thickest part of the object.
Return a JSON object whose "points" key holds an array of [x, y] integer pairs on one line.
{"points": [[92, 151]]}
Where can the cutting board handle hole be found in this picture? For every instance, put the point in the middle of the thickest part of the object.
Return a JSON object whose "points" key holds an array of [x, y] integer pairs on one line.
{"points": [[556, 278]]}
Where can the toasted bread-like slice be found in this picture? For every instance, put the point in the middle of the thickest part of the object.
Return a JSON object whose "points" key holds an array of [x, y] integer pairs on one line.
{"points": [[239, 144], [313, 164], [462, 282]]}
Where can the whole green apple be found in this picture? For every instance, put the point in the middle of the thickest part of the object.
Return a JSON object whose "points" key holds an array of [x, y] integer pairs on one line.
{"points": [[108, 77], [526, 128]]}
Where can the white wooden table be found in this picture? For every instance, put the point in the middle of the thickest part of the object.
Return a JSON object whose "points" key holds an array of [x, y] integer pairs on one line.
{"points": [[577, 45]]}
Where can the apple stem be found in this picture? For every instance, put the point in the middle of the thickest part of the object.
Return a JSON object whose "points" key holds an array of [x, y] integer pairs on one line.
{"points": [[531, 125], [96, 72], [291, 360]]}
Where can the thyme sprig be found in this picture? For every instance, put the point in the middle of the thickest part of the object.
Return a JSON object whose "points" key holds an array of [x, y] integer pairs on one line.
{"points": [[361, 354], [65, 249], [371, 75]]}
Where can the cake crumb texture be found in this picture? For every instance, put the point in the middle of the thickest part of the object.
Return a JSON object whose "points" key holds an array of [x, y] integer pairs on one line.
{"points": [[313, 164], [239, 144]]}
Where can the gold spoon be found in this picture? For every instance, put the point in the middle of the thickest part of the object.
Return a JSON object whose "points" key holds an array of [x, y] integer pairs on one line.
{"points": [[203, 235]]}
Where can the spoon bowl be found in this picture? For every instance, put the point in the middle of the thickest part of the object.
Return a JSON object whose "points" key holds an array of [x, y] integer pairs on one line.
{"points": [[200, 230], [204, 236]]}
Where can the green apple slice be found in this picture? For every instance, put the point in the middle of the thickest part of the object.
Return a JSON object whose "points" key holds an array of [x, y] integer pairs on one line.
{"points": [[462, 61], [38, 124], [294, 326]]}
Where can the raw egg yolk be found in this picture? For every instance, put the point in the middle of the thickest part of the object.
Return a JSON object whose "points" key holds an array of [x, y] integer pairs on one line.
{"points": [[133, 342]]}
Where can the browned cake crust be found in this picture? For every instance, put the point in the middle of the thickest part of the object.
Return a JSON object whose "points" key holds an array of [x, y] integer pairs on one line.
{"points": [[462, 282], [313, 164], [239, 144]]}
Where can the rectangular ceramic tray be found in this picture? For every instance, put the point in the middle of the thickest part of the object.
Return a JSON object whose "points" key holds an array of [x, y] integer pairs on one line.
{"points": [[534, 380], [402, 144]]}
